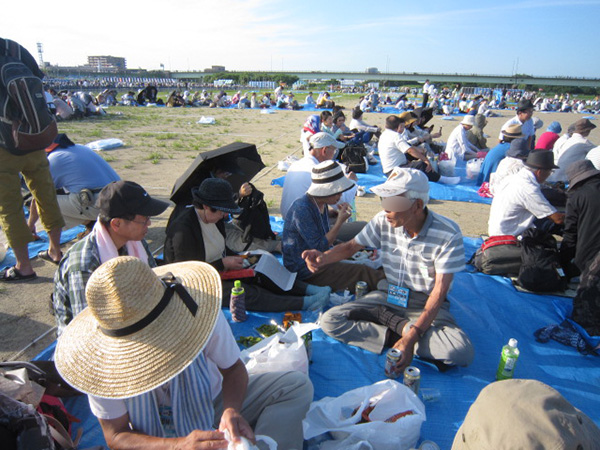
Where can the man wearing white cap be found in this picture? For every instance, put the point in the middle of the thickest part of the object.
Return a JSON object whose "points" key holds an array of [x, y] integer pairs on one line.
{"points": [[161, 367], [421, 251], [458, 145]]}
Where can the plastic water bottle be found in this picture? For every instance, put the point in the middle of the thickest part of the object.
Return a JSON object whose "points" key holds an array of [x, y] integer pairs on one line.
{"points": [[237, 303], [508, 360]]}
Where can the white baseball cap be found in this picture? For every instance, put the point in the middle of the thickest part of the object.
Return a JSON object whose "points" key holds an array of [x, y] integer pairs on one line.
{"points": [[400, 181], [322, 139]]}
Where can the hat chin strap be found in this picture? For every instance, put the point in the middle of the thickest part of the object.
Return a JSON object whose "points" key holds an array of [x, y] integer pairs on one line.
{"points": [[171, 286]]}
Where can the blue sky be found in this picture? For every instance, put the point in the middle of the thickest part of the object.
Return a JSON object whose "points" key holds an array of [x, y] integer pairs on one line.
{"points": [[536, 37]]}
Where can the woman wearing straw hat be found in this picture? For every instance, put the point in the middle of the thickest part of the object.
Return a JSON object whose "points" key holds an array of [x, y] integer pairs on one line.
{"points": [[307, 227], [198, 234], [160, 365]]}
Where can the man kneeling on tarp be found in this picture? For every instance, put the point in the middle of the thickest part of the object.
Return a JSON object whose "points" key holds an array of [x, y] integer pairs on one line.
{"points": [[161, 367], [421, 252]]}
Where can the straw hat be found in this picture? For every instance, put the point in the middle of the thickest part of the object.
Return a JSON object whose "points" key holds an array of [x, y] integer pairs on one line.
{"points": [[154, 344], [512, 132], [328, 179]]}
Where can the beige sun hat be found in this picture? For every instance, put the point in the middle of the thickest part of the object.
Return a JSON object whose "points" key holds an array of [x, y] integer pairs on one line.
{"points": [[132, 337]]}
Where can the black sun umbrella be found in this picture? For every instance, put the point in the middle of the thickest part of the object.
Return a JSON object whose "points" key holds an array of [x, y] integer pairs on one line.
{"points": [[240, 159]]}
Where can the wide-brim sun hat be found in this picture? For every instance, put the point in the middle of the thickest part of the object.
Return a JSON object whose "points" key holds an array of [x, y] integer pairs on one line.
{"points": [[132, 337], [328, 179], [409, 118], [216, 193]]}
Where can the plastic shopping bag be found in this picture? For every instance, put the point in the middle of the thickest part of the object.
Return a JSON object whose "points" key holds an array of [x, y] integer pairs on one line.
{"points": [[280, 352], [474, 167], [388, 399], [446, 167]]}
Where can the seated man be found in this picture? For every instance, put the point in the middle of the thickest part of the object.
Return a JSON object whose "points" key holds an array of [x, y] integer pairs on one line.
{"points": [[523, 118], [421, 252], [574, 149], [168, 377], [307, 227], [458, 146], [357, 123], [519, 199], [511, 164], [79, 174], [125, 211], [393, 149]]}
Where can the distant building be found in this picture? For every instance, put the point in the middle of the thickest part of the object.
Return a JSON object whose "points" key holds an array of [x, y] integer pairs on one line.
{"points": [[372, 70], [107, 63], [214, 69]]}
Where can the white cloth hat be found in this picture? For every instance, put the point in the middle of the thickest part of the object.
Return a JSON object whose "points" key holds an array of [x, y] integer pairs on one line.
{"points": [[322, 139], [328, 179], [469, 119], [402, 180]]}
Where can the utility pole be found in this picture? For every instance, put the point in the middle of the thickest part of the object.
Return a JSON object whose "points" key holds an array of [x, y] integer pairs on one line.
{"points": [[40, 50]]}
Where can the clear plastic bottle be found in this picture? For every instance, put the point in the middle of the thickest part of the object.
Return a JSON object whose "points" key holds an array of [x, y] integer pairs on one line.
{"points": [[237, 302], [508, 360]]}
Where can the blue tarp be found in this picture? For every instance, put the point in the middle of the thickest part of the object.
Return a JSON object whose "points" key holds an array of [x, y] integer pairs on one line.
{"points": [[490, 310], [35, 247], [466, 191]]}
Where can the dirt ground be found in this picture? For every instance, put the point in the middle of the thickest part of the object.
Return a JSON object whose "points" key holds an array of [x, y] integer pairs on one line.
{"points": [[160, 144]]}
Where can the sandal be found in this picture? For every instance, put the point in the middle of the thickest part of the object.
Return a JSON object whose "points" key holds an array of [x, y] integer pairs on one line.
{"points": [[12, 274], [43, 254]]}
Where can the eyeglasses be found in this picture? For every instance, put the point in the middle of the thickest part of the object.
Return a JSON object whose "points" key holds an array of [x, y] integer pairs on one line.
{"points": [[145, 222]]}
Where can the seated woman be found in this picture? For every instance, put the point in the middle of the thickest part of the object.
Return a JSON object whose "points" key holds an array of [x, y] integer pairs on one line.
{"points": [[310, 127], [198, 234], [346, 135], [307, 227]]}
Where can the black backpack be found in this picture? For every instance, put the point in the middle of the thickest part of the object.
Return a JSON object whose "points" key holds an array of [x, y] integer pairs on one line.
{"points": [[355, 159], [254, 220], [26, 123], [540, 267]]}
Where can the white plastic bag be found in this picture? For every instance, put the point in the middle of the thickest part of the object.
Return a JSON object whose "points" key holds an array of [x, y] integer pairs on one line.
{"points": [[474, 167], [447, 167], [245, 444], [340, 417], [280, 352], [207, 120]]}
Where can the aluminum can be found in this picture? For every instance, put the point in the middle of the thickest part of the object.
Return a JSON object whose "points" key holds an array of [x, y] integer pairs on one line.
{"points": [[360, 289], [412, 378], [391, 358]]}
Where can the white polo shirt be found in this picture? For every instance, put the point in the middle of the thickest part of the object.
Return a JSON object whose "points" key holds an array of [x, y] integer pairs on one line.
{"points": [[391, 147], [518, 202]]}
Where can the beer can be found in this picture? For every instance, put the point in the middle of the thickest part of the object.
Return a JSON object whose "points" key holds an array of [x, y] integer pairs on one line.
{"points": [[360, 289], [391, 358], [412, 378]]}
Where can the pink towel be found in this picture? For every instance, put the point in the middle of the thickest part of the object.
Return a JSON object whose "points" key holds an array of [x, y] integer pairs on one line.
{"points": [[107, 247]]}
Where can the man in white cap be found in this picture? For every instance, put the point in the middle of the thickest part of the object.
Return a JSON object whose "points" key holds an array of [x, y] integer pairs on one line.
{"points": [[323, 147], [525, 414], [161, 367], [458, 146], [421, 251]]}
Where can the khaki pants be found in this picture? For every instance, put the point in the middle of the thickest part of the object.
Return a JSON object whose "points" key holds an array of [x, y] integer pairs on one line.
{"points": [[340, 275], [275, 406], [35, 170]]}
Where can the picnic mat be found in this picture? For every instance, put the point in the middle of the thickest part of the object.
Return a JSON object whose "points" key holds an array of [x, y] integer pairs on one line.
{"points": [[489, 309], [35, 247], [465, 191]]}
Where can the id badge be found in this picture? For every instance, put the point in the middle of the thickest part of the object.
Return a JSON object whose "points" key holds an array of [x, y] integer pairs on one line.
{"points": [[398, 295]]}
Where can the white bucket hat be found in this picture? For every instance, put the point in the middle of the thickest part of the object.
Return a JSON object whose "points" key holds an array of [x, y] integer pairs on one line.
{"points": [[469, 119], [328, 179]]}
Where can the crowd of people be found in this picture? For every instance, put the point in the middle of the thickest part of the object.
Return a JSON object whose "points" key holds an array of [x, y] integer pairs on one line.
{"points": [[147, 340]]}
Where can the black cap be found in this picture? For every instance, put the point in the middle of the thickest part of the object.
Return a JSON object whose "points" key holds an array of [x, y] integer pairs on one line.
{"points": [[524, 104], [123, 198]]}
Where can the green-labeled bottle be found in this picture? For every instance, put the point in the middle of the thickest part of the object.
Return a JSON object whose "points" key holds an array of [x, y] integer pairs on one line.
{"points": [[508, 360]]}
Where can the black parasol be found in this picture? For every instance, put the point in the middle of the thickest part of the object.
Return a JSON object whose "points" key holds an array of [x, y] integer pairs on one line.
{"points": [[240, 159]]}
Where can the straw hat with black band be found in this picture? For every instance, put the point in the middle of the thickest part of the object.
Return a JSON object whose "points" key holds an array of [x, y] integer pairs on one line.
{"points": [[142, 326], [512, 132], [328, 179]]}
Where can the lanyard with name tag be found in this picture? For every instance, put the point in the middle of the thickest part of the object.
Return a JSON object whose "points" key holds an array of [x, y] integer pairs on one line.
{"points": [[398, 295]]}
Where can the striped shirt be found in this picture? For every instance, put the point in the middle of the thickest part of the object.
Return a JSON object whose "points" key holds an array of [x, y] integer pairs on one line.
{"points": [[414, 262]]}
